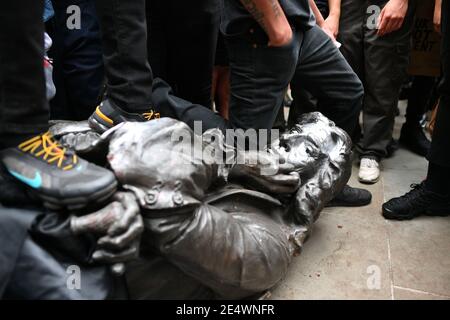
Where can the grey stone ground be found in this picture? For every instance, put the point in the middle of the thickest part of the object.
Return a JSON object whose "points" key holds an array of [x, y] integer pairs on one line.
{"points": [[350, 247]]}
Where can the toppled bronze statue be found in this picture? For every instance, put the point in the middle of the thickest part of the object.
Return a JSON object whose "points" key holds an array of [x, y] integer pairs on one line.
{"points": [[228, 225], [193, 210]]}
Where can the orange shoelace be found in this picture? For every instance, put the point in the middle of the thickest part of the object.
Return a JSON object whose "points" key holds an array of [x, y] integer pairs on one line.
{"points": [[151, 115], [50, 150]]}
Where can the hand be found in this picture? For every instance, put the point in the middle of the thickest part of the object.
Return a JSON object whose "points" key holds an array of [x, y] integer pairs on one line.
{"points": [[437, 16], [120, 226], [77, 136], [331, 26], [266, 172], [392, 16]]}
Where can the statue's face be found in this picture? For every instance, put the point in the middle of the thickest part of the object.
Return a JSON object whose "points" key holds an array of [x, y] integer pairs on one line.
{"points": [[314, 138]]}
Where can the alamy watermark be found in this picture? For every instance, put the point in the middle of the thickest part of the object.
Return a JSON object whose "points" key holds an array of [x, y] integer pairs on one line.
{"points": [[374, 12], [73, 21], [374, 279], [73, 281], [234, 146]]}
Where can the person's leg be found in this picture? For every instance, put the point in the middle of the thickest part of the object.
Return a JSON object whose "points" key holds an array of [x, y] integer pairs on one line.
{"points": [[222, 90], [432, 197], [325, 73], [351, 26], [412, 135], [129, 76], [259, 78], [79, 71], [193, 28], [439, 151], [157, 37], [386, 62], [221, 78], [23, 104], [57, 176], [438, 178], [167, 104], [124, 39], [351, 37], [418, 100]]}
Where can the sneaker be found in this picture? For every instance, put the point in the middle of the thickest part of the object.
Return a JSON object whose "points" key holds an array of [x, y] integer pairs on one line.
{"points": [[351, 197], [419, 201], [57, 176], [108, 115], [369, 171], [414, 139]]}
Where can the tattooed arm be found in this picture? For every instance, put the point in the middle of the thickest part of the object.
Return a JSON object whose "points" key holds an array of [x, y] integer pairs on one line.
{"points": [[270, 16]]}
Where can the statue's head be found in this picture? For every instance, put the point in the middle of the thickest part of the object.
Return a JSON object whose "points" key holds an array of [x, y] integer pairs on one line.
{"points": [[321, 153], [313, 141]]}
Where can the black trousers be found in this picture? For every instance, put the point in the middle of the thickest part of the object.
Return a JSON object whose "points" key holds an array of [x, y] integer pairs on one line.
{"points": [[23, 104], [124, 40], [182, 38], [78, 70], [439, 152]]}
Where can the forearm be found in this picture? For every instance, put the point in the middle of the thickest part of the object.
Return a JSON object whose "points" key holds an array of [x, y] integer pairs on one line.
{"points": [[438, 5], [335, 8], [270, 16], [437, 18], [319, 18]]}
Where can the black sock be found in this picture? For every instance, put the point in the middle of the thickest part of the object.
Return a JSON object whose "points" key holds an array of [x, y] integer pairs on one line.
{"points": [[438, 179]]}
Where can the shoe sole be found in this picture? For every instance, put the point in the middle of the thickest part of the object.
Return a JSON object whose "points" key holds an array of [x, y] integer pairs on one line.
{"points": [[347, 205], [98, 125], [391, 216], [369, 181], [77, 203]]}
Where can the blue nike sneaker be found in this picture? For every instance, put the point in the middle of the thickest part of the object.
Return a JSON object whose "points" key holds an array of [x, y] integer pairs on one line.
{"points": [[56, 175]]}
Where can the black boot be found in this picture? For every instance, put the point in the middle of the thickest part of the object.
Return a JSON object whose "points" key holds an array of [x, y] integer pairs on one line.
{"points": [[419, 201], [351, 197], [413, 138]]}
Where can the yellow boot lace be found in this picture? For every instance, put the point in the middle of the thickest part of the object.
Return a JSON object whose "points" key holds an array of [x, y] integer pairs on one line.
{"points": [[151, 115], [50, 150]]}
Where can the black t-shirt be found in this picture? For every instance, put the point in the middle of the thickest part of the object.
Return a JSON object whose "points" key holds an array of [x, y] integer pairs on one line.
{"points": [[236, 19]]}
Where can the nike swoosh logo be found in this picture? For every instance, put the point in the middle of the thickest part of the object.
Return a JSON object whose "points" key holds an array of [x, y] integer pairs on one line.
{"points": [[35, 183]]}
